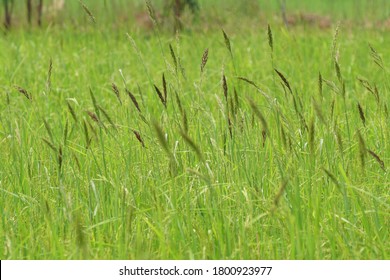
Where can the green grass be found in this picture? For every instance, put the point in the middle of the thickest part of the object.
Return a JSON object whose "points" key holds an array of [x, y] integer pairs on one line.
{"points": [[288, 176]]}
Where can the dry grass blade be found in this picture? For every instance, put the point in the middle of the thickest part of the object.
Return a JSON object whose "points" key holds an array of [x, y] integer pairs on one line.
{"points": [[338, 71], [199, 175], [378, 159], [283, 78], [362, 149], [259, 115], [50, 144], [320, 83], [48, 129], [264, 136], [334, 42], [270, 38], [182, 69], [182, 112], [236, 101], [161, 138], [283, 135], [230, 126], [94, 101], [89, 13], [339, 139], [248, 81], [107, 116], [151, 12], [343, 89], [225, 87], [160, 95], [368, 86], [253, 84], [232, 108], [164, 82], [192, 144], [86, 134], [133, 99], [311, 135], [205, 57], [227, 42], [72, 112], [376, 93], [66, 131], [24, 92], [361, 114], [318, 111], [332, 177], [332, 105], [115, 89], [376, 57], [278, 196], [93, 116], [139, 138], [331, 85], [178, 101], [60, 157], [173, 57], [48, 81], [185, 121]]}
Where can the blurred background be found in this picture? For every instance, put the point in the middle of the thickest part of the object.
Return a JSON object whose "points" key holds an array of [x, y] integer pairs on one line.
{"points": [[195, 15]]}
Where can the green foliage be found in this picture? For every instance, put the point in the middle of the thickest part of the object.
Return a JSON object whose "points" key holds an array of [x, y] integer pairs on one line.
{"points": [[213, 145]]}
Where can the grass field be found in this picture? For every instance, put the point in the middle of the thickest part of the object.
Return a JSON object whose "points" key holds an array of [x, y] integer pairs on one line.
{"points": [[121, 143]]}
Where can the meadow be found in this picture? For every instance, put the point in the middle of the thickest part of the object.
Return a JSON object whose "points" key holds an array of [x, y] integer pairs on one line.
{"points": [[225, 141]]}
